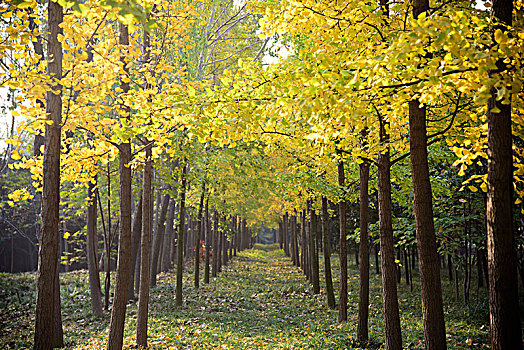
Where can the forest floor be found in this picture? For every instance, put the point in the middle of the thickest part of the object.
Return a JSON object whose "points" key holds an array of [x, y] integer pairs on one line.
{"points": [[259, 301]]}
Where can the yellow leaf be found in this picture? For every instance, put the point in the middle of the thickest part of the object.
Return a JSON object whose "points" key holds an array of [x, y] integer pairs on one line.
{"points": [[15, 155]]}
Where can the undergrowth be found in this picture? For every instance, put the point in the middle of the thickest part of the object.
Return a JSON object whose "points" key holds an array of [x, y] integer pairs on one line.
{"points": [[259, 301]]}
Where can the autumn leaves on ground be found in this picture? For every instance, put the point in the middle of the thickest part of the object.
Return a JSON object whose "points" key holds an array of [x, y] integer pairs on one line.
{"points": [[259, 301]]}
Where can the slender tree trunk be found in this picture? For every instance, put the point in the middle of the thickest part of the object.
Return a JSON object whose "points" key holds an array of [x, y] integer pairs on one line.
{"points": [[505, 323], [215, 245], [49, 233], [158, 239], [315, 279], [58, 333], [219, 249], [343, 290], [118, 313], [207, 230], [305, 245], [377, 263], [429, 266], [135, 241], [285, 226], [387, 251], [92, 259], [294, 254], [168, 237], [145, 251], [327, 255], [363, 301], [138, 265], [198, 232], [224, 246], [180, 241]]}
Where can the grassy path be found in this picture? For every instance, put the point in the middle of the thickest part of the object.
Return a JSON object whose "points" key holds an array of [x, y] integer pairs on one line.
{"points": [[259, 301]]}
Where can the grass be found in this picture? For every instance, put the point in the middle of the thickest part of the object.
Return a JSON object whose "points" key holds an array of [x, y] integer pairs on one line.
{"points": [[259, 301]]}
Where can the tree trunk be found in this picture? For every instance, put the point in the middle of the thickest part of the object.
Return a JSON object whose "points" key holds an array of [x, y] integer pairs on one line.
{"points": [[207, 230], [505, 323], [429, 265], [285, 227], [135, 241], [304, 262], [315, 279], [215, 245], [158, 240], [198, 232], [49, 233], [180, 240], [363, 300], [295, 239], [118, 313], [92, 259], [145, 251], [327, 255], [219, 249], [387, 251], [168, 237], [343, 290]]}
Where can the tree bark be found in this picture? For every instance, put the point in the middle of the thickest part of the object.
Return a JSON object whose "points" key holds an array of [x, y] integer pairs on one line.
{"points": [[304, 262], [285, 232], [118, 313], [208, 235], [215, 245], [429, 264], [168, 237], [158, 239], [387, 251], [135, 241], [343, 289], [180, 240], [92, 259], [49, 233], [505, 323], [305, 245], [327, 255], [313, 247], [145, 251], [363, 301], [198, 233]]}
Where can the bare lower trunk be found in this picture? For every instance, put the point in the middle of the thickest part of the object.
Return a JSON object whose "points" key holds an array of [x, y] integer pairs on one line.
{"points": [[158, 240], [198, 234], [343, 289], [208, 239], [429, 264], [315, 279], [180, 240], [214, 270], [168, 237], [387, 251], [135, 240], [505, 323], [145, 251], [92, 259], [327, 255], [363, 301], [49, 233], [118, 313]]}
